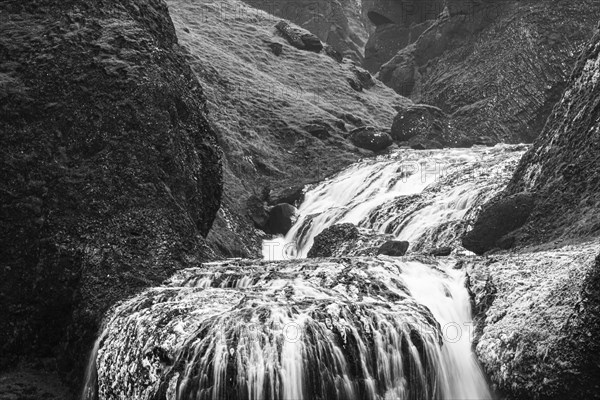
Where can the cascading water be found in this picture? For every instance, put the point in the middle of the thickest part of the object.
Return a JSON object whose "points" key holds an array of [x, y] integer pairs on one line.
{"points": [[424, 197], [379, 328]]}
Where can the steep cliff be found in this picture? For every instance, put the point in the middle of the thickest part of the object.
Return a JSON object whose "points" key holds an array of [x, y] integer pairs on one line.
{"points": [[538, 309], [497, 67], [109, 171], [561, 170]]}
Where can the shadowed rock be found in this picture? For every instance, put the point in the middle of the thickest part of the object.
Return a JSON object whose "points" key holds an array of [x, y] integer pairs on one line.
{"points": [[496, 220], [394, 248]]}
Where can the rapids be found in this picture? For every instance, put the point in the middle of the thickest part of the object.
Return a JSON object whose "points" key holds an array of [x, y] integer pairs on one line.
{"points": [[379, 328], [424, 197]]}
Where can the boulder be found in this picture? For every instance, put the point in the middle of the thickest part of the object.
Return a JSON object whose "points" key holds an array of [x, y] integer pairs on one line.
{"points": [[496, 220], [281, 218], [276, 48], [441, 252], [419, 120], [327, 242], [299, 37], [394, 248], [370, 138]]}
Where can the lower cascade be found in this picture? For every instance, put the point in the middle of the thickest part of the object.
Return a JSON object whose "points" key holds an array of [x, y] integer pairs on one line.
{"points": [[346, 328]]}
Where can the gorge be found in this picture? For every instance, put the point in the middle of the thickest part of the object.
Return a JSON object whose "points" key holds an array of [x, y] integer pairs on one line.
{"points": [[299, 200]]}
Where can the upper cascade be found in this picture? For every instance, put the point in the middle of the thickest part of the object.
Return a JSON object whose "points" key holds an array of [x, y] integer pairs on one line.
{"points": [[424, 197]]}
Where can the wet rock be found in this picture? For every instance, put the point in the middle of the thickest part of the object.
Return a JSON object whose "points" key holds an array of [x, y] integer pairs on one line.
{"points": [[394, 248], [299, 37], [496, 220], [281, 218], [441, 252], [370, 138], [419, 120], [326, 243], [520, 300]]}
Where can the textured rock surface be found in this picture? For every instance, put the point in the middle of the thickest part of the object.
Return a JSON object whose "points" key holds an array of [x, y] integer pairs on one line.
{"points": [[370, 138], [498, 67], [539, 309], [538, 315], [110, 173], [496, 220], [563, 167], [395, 248]]}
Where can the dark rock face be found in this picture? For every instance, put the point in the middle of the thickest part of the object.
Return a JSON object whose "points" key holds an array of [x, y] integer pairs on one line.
{"points": [[291, 194], [497, 66], [496, 220], [281, 218], [370, 138], [299, 38], [419, 120], [562, 167], [394, 248], [327, 242], [110, 173]]}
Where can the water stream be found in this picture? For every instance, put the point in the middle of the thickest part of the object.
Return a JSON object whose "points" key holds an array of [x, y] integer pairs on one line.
{"points": [[381, 328]]}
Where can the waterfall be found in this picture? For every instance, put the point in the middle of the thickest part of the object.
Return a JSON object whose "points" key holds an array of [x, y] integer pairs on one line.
{"points": [[424, 197], [361, 328], [381, 328]]}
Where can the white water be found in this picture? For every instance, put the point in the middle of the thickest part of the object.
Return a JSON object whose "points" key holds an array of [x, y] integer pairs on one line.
{"points": [[449, 185], [362, 328]]}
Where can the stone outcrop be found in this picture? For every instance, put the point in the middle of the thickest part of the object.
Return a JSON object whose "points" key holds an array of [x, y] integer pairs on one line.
{"points": [[370, 138], [497, 67], [562, 168], [497, 220], [537, 316], [538, 310], [110, 172]]}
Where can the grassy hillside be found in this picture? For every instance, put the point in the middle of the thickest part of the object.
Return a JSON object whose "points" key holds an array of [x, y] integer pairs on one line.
{"points": [[261, 105]]}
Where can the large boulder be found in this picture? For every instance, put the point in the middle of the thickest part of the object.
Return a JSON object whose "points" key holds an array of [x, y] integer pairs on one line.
{"points": [[370, 138], [394, 248], [420, 120], [496, 220], [327, 243], [110, 174], [281, 218]]}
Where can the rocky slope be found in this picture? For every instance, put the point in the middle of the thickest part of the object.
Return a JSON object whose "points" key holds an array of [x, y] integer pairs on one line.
{"points": [[338, 23], [538, 321], [539, 308], [560, 171], [110, 173], [283, 119], [496, 67]]}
